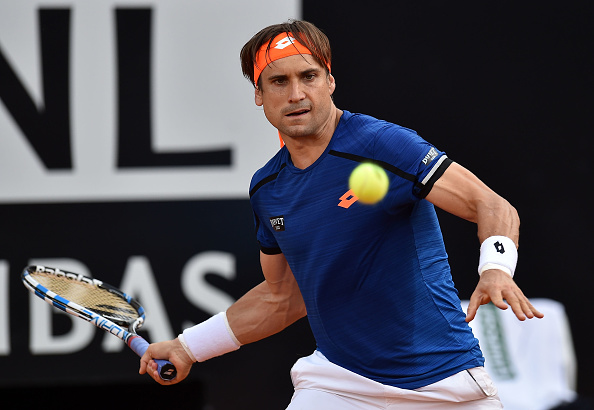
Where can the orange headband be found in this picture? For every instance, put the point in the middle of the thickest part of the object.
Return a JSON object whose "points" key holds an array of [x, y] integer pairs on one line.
{"points": [[283, 45]]}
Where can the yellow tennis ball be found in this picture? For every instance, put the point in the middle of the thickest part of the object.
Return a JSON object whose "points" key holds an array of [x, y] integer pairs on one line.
{"points": [[369, 182]]}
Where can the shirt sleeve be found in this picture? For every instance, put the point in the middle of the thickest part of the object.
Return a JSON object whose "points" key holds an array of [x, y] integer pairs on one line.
{"points": [[265, 237], [411, 158], [264, 234]]}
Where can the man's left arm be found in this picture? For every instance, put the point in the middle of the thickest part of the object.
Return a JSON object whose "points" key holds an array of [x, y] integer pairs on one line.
{"points": [[461, 193]]}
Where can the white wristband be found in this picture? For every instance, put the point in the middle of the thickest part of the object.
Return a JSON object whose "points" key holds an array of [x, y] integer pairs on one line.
{"points": [[182, 340], [209, 339], [498, 252]]}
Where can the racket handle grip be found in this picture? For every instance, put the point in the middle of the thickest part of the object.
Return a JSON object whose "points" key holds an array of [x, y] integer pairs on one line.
{"points": [[166, 369]]}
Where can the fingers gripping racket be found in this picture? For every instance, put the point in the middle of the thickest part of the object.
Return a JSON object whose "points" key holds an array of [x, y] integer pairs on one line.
{"points": [[94, 301]]}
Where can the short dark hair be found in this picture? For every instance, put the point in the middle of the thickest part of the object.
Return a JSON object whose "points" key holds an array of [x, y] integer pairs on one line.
{"points": [[306, 33]]}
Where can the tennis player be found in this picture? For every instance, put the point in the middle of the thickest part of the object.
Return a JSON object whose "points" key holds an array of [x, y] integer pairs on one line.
{"points": [[374, 281]]}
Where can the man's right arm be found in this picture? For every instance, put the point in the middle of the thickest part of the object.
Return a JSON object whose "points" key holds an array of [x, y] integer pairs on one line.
{"points": [[265, 310], [269, 307]]}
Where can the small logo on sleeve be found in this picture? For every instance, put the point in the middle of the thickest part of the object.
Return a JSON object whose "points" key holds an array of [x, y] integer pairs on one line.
{"points": [[278, 223], [431, 155]]}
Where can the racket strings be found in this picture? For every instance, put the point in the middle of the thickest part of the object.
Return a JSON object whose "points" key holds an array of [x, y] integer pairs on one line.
{"points": [[99, 300]]}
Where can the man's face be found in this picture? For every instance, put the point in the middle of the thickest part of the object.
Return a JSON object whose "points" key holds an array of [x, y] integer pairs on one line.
{"points": [[295, 93]]}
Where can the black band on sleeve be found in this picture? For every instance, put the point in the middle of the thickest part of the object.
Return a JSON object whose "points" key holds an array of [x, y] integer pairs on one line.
{"points": [[422, 190], [270, 251]]}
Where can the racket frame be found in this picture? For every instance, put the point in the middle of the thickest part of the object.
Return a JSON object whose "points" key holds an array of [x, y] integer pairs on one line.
{"points": [[129, 335]]}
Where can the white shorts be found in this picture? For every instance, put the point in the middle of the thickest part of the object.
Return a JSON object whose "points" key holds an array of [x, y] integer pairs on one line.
{"points": [[320, 384]]}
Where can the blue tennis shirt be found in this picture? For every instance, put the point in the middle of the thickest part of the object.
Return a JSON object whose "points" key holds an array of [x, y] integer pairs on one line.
{"points": [[375, 278]]}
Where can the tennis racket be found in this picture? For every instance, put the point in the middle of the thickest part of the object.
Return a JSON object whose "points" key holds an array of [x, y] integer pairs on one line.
{"points": [[94, 301]]}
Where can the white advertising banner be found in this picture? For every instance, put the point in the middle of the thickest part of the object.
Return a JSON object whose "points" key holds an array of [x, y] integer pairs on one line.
{"points": [[119, 100]]}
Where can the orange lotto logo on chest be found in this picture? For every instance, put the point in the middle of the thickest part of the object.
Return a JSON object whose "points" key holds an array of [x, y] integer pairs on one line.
{"points": [[347, 199]]}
